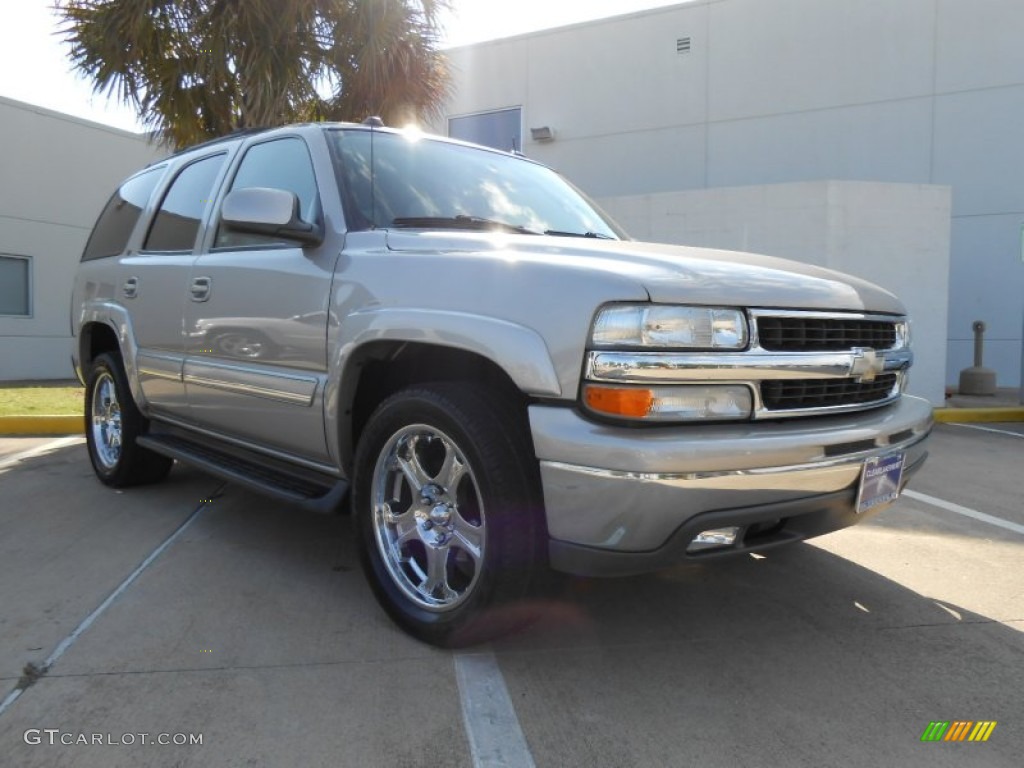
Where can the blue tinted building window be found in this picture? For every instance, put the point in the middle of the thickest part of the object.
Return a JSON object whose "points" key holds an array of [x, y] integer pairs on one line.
{"points": [[15, 286], [501, 129]]}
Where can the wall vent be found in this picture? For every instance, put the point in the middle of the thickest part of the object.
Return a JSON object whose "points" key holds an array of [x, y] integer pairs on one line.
{"points": [[683, 45]]}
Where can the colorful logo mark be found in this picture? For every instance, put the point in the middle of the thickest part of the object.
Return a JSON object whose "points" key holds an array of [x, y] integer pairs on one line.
{"points": [[958, 730]]}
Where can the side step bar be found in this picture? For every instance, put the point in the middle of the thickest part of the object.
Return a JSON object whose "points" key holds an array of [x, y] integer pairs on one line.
{"points": [[306, 488]]}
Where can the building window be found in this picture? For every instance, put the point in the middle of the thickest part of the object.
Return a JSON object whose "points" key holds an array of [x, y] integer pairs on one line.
{"points": [[501, 129], [15, 286]]}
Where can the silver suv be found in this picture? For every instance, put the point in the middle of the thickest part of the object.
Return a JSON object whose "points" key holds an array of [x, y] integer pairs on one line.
{"points": [[502, 380]]}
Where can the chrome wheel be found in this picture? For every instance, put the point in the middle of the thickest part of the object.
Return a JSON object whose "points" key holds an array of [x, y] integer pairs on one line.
{"points": [[106, 421], [428, 517], [113, 424]]}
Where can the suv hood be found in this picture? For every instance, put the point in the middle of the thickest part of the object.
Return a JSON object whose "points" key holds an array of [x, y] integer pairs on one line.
{"points": [[670, 274]]}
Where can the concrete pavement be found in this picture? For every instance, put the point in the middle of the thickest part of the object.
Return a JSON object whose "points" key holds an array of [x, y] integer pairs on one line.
{"points": [[255, 629]]}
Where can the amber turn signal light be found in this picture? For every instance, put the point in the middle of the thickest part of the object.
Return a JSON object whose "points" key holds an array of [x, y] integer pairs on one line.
{"points": [[619, 401]]}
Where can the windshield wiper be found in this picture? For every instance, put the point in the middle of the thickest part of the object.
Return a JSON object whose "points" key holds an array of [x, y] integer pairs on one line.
{"points": [[459, 222], [558, 233]]}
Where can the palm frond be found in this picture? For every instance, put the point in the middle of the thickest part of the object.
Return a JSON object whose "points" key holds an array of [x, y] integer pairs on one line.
{"points": [[197, 69]]}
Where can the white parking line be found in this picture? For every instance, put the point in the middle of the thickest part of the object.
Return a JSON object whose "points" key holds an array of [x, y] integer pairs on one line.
{"points": [[495, 738], [965, 511], [39, 450], [88, 621], [988, 429]]}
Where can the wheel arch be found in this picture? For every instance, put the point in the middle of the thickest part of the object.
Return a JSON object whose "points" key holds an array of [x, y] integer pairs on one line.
{"points": [[380, 350], [379, 369], [106, 327], [95, 338]]}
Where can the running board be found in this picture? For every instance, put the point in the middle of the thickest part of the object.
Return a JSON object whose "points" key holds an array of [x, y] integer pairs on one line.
{"points": [[297, 485]]}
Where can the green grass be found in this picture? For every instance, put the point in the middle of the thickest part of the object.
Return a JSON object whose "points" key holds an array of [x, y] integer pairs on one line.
{"points": [[41, 401]]}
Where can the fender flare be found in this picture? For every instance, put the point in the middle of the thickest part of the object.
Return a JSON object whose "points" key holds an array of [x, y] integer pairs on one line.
{"points": [[519, 351], [515, 349], [117, 318]]}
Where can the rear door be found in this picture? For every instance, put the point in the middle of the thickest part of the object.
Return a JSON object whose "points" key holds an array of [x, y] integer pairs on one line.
{"points": [[256, 319], [155, 280]]}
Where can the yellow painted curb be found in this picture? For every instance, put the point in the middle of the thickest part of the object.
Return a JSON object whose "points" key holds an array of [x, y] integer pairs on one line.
{"points": [[968, 415], [41, 425]]}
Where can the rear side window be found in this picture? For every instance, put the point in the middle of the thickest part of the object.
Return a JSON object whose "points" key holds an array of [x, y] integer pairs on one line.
{"points": [[177, 222], [114, 226]]}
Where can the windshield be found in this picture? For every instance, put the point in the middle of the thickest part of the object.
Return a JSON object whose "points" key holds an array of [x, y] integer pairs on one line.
{"points": [[418, 182]]}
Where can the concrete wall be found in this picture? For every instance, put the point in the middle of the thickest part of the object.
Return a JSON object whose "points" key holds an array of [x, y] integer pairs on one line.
{"points": [[774, 91], [56, 173], [895, 235]]}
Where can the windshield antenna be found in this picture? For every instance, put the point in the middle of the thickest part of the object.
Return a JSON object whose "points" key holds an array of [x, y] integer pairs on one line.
{"points": [[374, 123], [373, 179]]}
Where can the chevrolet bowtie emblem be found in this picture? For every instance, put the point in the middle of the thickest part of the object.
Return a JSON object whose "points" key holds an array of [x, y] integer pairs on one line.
{"points": [[866, 365]]}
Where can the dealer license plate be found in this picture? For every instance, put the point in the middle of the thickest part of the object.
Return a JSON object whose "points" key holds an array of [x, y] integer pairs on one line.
{"points": [[880, 482]]}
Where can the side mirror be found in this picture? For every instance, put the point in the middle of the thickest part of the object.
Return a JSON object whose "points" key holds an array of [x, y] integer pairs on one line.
{"points": [[271, 212]]}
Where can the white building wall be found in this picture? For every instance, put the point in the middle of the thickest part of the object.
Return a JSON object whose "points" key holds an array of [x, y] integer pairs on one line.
{"points": [[896, 235], [56, 174], [775, 91]]}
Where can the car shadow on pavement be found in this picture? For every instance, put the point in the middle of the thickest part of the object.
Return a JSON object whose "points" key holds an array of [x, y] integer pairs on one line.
{"points": [[799, 657]]}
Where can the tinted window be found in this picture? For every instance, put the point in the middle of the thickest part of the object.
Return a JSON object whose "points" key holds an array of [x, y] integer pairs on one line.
{"points": [[177, 222], [14, 286], [502, 129], [281, 164], [403, 179], [114, 226]]}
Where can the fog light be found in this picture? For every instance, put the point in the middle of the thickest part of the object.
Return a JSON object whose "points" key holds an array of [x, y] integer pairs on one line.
{"points": [[714, 538]]}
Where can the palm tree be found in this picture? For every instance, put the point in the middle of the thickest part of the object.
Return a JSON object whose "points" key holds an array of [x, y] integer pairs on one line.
{"points": [[197, 69]]}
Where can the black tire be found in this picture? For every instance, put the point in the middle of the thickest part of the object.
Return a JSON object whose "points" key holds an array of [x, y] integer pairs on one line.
{"points": [[112, 425], [474, 547]]}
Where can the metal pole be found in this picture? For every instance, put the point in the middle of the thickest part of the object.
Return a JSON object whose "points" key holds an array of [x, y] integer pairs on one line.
{"points": [[979, 343], [978, 380]]}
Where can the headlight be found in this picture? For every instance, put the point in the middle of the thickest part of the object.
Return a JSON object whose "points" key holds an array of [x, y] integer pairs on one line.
{"points": [[716, 402], [903, 334], [663, 326]]}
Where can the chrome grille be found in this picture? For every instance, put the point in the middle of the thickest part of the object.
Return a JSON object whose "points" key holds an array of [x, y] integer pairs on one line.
{"points": [[813, 334], [790, 394]]}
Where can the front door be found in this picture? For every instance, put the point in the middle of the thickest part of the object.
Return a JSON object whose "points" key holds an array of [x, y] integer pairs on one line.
{"points": [[256, 319]]}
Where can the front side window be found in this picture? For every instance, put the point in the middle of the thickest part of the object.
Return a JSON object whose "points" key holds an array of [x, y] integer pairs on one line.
{"points": [[181, 211], [15, 286], [394, 180], [280, 164], [113, 228]]}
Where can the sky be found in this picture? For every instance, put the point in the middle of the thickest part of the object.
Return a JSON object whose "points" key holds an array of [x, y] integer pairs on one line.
{"points": [[34, 64]]}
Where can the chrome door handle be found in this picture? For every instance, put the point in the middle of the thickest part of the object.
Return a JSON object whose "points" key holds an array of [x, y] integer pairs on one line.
{"points": [[130, 289], [200, 288]]}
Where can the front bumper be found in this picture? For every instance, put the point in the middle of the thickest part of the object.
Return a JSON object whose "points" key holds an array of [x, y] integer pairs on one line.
{"points": [[621, 500]]}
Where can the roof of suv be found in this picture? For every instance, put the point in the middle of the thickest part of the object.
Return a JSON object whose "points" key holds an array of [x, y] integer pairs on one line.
{"points": [[366, 126], [246, 132]]}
